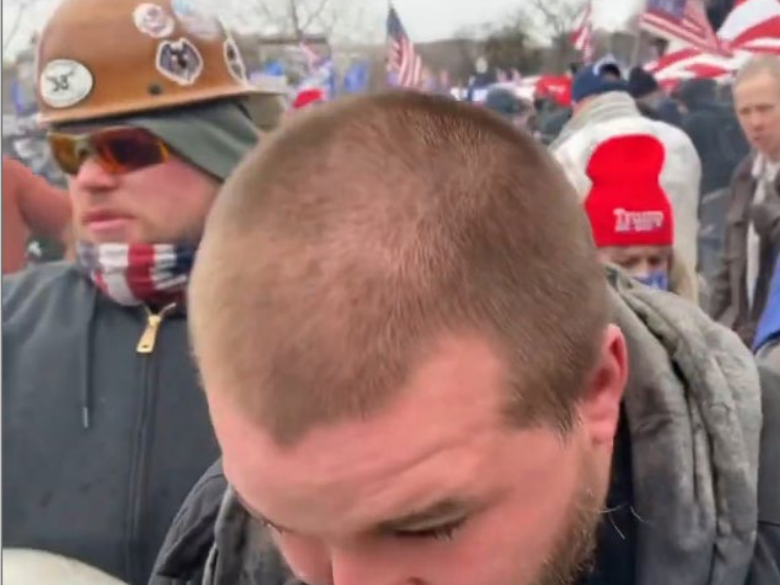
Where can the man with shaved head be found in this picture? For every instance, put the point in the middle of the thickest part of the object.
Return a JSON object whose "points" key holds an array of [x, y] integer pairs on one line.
{"points": [[419, 374]]}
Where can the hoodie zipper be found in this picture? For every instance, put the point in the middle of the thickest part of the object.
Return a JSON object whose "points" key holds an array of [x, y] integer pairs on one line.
{"points": [[145, 350], [149, 336]]}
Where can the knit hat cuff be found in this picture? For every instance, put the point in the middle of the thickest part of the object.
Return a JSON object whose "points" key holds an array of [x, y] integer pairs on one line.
{"points": [[633, 228], [214, 137]]}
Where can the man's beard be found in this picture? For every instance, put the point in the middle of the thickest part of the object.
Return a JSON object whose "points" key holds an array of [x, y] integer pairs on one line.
{"points": [[574, 550]]}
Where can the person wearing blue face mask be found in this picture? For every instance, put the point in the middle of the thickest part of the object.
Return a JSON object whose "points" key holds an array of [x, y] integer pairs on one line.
{"points": [[631, 217]]}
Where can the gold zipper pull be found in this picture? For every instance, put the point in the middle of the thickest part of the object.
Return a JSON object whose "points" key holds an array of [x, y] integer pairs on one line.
{"points": [[149, 336]]}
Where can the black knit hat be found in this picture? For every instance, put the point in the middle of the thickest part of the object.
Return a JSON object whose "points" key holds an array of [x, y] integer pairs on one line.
{"points": [[641, 83], [504, 102], [213, 136]]}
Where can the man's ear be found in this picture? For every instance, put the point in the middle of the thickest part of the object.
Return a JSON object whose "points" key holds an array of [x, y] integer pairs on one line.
{"points": [[600, 409]]}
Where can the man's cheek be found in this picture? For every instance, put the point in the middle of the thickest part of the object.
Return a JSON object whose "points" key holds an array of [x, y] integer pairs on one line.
{"points": [[307, 559]]}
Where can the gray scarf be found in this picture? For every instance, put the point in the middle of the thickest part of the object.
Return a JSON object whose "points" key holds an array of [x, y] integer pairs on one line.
{"points": [[693, 405], [694, 412]]}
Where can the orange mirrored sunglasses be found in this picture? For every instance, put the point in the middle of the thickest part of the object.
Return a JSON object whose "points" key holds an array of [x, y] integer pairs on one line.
{"points": [[116, 150]]}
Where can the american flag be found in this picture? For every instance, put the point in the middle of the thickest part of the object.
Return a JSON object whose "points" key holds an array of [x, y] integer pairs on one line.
{"points": [[582, 37], [683, 20], [403, 62], [754, 26], [313, 59]]}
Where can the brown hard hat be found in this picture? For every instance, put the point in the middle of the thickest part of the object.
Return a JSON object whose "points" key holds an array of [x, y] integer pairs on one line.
{"points": [[104, 58]]}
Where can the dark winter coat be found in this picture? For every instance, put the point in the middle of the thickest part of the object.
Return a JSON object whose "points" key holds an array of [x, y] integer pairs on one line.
{"points": [[729, 297], [101, 442], [679, 518]]}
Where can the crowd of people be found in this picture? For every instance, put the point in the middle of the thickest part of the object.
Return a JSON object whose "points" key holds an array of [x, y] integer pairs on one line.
{"points": [[394, 340]]}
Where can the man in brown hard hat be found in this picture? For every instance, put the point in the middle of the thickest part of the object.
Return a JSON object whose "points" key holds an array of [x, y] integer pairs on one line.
{"points": [[105, 428]]}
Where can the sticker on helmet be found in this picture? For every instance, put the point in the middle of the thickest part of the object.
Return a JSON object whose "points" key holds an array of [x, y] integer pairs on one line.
{"points": [[179, 61], [65, 83], [153, 20], [234, 62], [196, 20]]}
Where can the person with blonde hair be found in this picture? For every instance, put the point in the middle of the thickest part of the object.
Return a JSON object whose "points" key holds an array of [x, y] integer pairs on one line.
{"points": [[603, 110], [631, 216], [752, 239]]}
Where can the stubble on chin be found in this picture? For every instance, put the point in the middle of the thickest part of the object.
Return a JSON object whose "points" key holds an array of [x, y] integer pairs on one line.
{"points": [[574, 552]]}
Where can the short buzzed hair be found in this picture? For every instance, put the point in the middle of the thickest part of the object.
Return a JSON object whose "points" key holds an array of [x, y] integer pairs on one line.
{"points": [[364, 231], [759, 65]]}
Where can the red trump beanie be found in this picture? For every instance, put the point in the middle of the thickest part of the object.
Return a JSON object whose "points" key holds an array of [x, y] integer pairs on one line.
{"points": [[626, 204]]}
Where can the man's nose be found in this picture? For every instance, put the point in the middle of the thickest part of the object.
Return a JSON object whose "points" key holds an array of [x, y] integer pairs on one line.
{"points": [[92, 177], [755, 120], [640, 269]]}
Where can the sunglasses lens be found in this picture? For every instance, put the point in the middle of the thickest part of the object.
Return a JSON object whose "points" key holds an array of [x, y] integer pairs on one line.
{"points": [[128, 149], [117, 151], [66, 152]]}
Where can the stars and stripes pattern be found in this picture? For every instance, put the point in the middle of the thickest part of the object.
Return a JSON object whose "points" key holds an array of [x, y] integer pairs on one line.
{"points": [[313, 59], [691, 63], [136, 274], [681, 20], [754, 26], [404, 65], [320, 74], [582, 37]]}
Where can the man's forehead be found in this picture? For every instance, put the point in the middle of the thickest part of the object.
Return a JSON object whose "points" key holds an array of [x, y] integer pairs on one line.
{"points": [[760, 87], [364, 486], [446, 410], [447, 417]]}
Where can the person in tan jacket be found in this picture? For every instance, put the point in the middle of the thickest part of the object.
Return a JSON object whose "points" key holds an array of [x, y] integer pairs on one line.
{"points": [[30, 205]]}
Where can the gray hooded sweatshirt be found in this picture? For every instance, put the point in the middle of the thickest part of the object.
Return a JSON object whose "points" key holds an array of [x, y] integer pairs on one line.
{"points": [[102, 439], [704, 427]]}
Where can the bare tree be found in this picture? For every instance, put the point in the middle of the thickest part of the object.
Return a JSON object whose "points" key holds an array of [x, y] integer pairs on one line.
{"points": [[298, 19], [557, 17], [511, 46], [304, 14]]}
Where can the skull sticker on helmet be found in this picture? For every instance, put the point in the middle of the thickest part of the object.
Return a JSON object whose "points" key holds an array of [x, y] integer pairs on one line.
{"points": [[180, 61], [234, 62], [153, 20]]}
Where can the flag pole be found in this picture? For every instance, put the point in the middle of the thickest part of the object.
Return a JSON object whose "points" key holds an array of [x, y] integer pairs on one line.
{"points": [[640, 37], [637, 53], [387, 44]]}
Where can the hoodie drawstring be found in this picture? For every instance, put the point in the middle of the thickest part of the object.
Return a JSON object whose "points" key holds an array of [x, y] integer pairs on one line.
{"points": [[85, 365]]}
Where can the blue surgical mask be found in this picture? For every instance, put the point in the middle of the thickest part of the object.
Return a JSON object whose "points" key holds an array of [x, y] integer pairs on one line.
{"points": [[658, 280]]}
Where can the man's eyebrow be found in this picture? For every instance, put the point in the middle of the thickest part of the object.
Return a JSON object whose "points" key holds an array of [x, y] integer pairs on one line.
{"points": [[442, 511]]}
